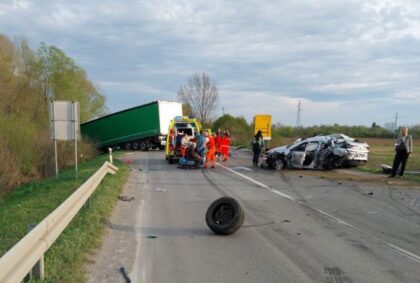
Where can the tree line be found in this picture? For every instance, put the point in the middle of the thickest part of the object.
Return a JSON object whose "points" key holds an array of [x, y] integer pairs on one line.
{"points": [[242, 131], [28, 80]]}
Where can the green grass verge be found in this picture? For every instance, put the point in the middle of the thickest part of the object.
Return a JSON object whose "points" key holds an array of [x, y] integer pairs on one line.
{"points": [[65, 260]]}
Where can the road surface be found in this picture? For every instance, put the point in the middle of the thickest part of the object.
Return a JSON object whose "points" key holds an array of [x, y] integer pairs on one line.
{"points": [[297, 228]]}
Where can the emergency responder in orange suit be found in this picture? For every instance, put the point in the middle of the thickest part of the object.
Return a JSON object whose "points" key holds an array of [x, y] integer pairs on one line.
{"points": [[225, 145], [217, 141], [211, 150], [184, 144]]}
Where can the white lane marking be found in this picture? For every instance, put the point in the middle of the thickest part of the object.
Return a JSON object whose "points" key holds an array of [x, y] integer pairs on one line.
{"points": [[256, 182], [402, 251], [242, 168]]}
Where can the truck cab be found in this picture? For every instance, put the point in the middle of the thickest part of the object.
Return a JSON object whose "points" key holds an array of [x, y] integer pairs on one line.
{"points": [[177, 127]]}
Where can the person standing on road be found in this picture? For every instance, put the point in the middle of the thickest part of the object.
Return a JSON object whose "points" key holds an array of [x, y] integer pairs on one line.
{"points": [[225, 145], [211, 149], [403, 149], [200, 144], [257, 144]]}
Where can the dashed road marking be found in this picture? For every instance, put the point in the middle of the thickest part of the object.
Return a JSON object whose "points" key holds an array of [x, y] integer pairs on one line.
{"points": [[402, 251]]}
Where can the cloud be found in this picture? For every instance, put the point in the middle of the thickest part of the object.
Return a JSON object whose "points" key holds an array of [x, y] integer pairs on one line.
{"points": [[345, 60]]}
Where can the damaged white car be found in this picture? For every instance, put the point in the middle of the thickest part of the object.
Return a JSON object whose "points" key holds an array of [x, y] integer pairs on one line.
{"points": [[320, 152]]}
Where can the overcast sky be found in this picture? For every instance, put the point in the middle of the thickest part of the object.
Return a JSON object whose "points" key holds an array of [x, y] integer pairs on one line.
{"points": [[349, 62]]}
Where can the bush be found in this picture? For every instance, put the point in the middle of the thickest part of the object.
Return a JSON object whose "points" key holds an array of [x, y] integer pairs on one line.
{"points": [[28, 80]]}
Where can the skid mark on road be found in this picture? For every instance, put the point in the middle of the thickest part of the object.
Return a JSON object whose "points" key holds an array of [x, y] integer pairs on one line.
{"points": [[328, 216]]}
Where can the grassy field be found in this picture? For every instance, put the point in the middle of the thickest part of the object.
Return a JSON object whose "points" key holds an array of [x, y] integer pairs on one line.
{"points": [[382, 152], [65, 260]]}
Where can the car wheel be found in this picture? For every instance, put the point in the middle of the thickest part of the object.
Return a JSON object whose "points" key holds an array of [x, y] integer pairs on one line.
{"points": [[279, 164], [225, 216]]}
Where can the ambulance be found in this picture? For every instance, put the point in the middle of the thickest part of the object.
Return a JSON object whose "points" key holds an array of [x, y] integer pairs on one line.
{"points": [[177, 127]]}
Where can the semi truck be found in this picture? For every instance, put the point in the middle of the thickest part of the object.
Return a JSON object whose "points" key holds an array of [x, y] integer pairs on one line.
{"points": [[138, 128]]}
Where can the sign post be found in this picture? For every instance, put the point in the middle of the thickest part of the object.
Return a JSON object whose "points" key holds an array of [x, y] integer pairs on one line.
{"points": [[65, 126]]}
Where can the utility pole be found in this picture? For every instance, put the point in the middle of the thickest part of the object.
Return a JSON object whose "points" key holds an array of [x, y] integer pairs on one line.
{"points": [[298, 118], [396, 121], [223, 111]]}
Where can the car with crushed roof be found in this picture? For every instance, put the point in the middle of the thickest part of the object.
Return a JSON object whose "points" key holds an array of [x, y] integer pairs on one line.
{"points": [[320, 152]]}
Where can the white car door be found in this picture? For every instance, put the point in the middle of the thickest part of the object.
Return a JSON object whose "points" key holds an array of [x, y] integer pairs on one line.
{"points": [[298, 155]]}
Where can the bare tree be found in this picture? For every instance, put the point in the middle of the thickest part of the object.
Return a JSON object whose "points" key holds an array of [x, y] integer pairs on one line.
{"points": [[201, 95]]}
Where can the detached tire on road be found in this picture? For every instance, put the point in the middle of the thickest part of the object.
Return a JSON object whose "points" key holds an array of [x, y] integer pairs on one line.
{"points": [[225, 216]]}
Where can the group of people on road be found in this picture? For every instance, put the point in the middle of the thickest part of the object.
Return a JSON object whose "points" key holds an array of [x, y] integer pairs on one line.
{"points": [[205, 148]]}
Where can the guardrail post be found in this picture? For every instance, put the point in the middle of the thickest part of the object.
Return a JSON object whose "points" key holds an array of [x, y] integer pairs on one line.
{"points": [[37, 271], [110, 155]]}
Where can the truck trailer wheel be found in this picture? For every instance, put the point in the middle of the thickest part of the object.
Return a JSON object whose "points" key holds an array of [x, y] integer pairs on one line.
{"points": [[225, 216], [135, 145], [143, 146], [127, 146]]}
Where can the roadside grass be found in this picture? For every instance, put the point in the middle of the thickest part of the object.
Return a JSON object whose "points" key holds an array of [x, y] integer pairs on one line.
{"points": [[382, 151], [30, 203]]}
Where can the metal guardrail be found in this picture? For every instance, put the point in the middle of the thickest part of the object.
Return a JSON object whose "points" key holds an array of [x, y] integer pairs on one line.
{"points": [[22, 257]]}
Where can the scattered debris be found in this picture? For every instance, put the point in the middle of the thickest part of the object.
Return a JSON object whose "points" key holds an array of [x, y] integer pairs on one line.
{"points": [[370, 194], [125, 198], [298, 234], [386, 169], [152, 237], [286, 220], [128, 161], [125, 274], [161, 190]]}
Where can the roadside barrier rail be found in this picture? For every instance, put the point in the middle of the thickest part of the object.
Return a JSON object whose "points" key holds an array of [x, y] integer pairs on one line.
{"points": [[22, 257]]}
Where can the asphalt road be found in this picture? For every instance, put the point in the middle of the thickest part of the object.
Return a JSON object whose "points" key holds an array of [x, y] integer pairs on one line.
{"points": [[297, 228]]}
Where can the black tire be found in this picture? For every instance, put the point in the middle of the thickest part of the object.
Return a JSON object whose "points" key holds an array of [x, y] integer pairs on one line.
{"points": [[143, 146], [171, 160], [135, 145], [127, 146], [225, 216]]}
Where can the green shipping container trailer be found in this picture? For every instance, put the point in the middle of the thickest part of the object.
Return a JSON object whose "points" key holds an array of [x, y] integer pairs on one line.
{"points": [[141, 127]]}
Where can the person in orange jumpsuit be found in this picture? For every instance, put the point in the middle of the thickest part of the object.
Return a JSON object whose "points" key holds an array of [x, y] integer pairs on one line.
{"points": [[217, 141], [226, 145], [211, 150]]}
